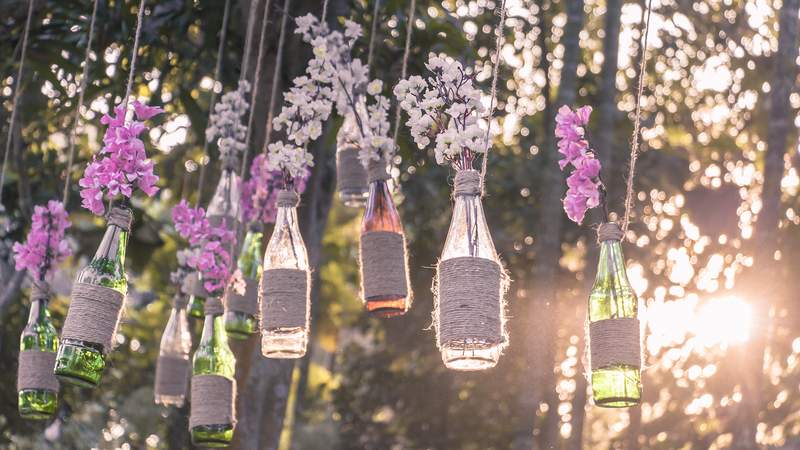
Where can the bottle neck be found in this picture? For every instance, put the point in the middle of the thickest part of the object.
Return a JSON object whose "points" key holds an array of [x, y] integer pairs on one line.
{"points": [[469, 234], [381, 213], [38, 312], [112, 247], [250, 260], [213, 331], [611, 264]]}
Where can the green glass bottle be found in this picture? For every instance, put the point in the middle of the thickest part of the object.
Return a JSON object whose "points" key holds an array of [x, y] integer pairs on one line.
{"points": [[80, 362], [196, 304], [213, 357], [38, 335], [614, 385], [241, 325]]}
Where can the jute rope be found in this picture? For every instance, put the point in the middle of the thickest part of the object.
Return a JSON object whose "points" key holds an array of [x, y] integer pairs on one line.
{"points": [[40, 290], [276, 75], [180, 301], [214, 306], [376, 171], [373, 34], [325, 10], [351, 177], [636, 124], [79, 106], [256, 81], [35, 370], [213, 100], [93, 314], [245, 303], [467, 182], [287, 199], [615, 341], [495, 70], [213, 401], [412, 10], [172, 375], [134, 57], [248, 39], [285, 299], [17, 91], [609, 231], [120, 218], [384, 266]]}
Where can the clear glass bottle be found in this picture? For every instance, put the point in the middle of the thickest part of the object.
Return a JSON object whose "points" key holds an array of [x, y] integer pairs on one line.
{"points": [[39, 334], [176, 342], [225, 202], [285, 250], [469, 236], [612, 297], [352, 176], [213, 357], [79, 362], [381, 215], [241, 325]]}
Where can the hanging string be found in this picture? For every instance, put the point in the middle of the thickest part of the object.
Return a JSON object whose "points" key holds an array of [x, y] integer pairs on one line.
{"points": [[248, 39], [217, 77], [373, 33], [412, 10], [636, 123], [256, 82], [325, 10], [276, 74], [495, 71], [79, 106], [17, 90], [134, 57]]}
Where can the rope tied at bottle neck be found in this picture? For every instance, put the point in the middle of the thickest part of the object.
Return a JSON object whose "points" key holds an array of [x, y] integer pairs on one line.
{"points": [[40, 290], [214, 306], [120, 217], [287, 199], [376, 170], [180, 300], [609, 231], [230, 162], [467, 182]]}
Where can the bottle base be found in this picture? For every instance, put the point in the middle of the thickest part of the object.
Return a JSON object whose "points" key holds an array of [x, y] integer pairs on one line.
{"points": [[240, 326], [617, 386], [284, 344], [37, 404], [387, 307], [469, 356], [170, 400], [354, 199], [79, 364], [212, 436]]}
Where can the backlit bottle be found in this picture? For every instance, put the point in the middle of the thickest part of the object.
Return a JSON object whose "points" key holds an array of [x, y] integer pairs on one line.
{"points": [[618, 383], [351, 176], [196, 296], [238, 324], [213, 357], [39, 335], [81, 362], [173, 354]]}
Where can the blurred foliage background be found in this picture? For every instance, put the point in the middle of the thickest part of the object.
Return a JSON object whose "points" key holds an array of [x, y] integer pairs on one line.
{"points": [[711, 251]]}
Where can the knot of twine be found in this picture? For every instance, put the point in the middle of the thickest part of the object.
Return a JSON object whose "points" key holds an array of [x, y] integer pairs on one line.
{"points": [[120, 218], [172, 375], [180, 300], [469, 302], [214, 306], [384, 268], [94, 314], [285, 300], [246, 303], [35, 370], [40, 290], [376, 170], [467, 182], [287, 199], [213, 401], [350, 174], [615, 341], [609, 231]]}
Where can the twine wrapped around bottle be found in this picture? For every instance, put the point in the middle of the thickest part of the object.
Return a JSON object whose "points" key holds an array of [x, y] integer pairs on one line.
{"points": [[172, 376], [377, 170], [287, 199], [35, 370], [285, 299], [213, 401], [94, 314], [384, 264], [214, 306], [193, 286], [247, 302], [351, 177]]}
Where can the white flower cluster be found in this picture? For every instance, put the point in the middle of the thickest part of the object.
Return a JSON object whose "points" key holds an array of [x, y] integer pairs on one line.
{"points": [[355, 97], [226, 122], [445, 107]]}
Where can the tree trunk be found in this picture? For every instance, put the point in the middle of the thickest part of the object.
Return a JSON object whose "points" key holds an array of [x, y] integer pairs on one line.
{"points": [[766, 241]]}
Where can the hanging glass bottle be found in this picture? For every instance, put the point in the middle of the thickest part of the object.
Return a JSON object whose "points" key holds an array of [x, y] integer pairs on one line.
{"points": [[36, 385], [211, 417], [285, 286], [98, 297], [615, 351], [351, 176], [384, 274], [225, 202], [240, 317], [172, 367], [471, 284]]}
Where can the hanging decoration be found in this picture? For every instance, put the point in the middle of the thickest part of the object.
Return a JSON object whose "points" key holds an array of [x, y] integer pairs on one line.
{"points": [[351, 176], [213, 387], [98, 295], [44, 249], [471, 283], [613, 328]]}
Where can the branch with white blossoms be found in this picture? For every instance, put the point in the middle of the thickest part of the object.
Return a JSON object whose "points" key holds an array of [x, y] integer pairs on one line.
{"points": [[334, 66], [444, 106], [226, 125]]}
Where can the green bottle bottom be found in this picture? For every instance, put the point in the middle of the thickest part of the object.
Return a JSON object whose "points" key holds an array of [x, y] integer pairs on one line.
{"points": [[240, 325], [617, 386], [37, 404], [80, 363], [214, 436], [197, 308]]}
